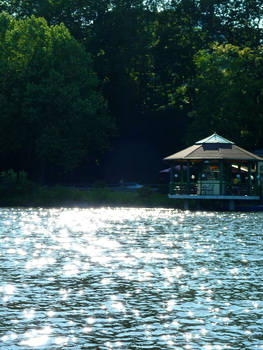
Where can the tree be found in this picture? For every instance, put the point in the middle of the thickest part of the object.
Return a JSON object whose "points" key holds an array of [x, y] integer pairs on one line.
{"points": [[121, 43], [51, 111], [228, 94], [143, 53], [77, 15]]}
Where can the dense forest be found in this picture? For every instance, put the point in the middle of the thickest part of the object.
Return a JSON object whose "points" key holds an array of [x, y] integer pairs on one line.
{"points": [[104, 89]]}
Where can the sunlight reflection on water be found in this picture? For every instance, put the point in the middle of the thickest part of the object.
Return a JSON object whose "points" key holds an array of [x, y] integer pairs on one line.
{"points": [[130, 279]]}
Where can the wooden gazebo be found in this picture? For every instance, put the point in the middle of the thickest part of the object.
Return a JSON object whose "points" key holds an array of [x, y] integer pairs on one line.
{"points": [[215, 168]]}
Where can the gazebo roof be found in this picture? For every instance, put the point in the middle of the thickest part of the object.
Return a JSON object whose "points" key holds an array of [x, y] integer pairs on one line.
{"points": [[214, 147], [214, 139]]}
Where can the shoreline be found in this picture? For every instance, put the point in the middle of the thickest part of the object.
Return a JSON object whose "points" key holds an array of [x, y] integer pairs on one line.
{"points": [[63, 196], [73, 197]]}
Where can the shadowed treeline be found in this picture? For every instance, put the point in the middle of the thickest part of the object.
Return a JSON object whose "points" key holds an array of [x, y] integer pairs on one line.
{"points": [[105, 89]]}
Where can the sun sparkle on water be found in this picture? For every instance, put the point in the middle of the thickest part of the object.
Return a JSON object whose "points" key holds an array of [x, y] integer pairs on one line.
{"points": [[121, 278]]}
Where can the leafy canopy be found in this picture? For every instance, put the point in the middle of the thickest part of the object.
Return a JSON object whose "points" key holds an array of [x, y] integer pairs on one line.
{"points": [[51, 110], [228, 94]]}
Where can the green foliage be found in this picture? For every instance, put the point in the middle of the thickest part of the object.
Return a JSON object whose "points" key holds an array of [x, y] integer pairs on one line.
{"points": [[167, 69], [49, 100], [59, 196], [228, 94], [145, 192], [15, 183], [9, 177], [71, 197], [100, 195], [99, 184]]}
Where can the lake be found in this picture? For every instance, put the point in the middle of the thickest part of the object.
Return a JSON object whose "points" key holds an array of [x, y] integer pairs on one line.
{"points": [[116, 278]]}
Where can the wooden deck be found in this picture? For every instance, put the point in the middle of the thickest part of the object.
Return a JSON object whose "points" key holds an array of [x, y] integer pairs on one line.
{"points": [[214, 191], [216, 197]]}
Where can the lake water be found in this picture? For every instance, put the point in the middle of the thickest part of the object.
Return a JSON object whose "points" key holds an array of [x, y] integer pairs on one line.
{"points": [[130, 279]]}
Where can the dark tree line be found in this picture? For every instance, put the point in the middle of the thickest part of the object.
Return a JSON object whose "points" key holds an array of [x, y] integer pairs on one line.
{"points": [[106, 88]]}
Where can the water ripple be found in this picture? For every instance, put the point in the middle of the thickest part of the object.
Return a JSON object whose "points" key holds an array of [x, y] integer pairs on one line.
{"points": [[130, 279]]}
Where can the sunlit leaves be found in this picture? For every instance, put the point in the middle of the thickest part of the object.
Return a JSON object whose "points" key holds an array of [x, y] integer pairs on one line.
{"points": [[228, 95], [50, 106]]}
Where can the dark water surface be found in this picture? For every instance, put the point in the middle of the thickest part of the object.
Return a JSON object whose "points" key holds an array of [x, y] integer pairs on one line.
{"points": [[130, 279]]}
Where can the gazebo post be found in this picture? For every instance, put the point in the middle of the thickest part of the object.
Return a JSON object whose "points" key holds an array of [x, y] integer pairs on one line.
{"points": [[188, 177], [257, 179], [221, 170], [181, 175], [171, 178], [249, 178]]}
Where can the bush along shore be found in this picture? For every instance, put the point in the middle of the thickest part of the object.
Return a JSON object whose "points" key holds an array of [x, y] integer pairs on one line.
{"points": [[17, 191], [62, 196]]}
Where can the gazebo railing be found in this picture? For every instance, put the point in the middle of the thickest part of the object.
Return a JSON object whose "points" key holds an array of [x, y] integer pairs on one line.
{"points": [[213, 187]]}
